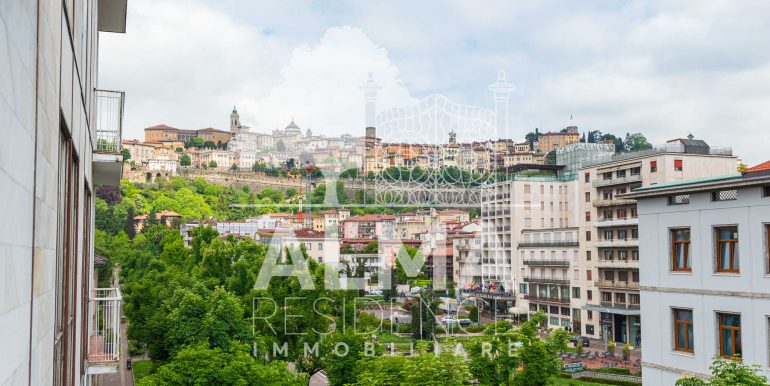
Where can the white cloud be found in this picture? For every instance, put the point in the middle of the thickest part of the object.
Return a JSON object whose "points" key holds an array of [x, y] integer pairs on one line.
{"points": [[320, 86]]}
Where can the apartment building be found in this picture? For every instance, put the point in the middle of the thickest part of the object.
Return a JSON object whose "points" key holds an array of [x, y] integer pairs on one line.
{"points": [[466, 253], [62, 138], [369, 226], [552, 141], [140, 152], [544, 260], [512, 209], [608, 266], [705, 273]]}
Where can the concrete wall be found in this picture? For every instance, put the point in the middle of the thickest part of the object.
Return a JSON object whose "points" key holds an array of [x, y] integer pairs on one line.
{"points": [[703, 290], [42, 78]]}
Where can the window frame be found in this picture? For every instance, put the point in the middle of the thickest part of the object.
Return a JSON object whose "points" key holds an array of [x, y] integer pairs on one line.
{"points": [[733, 330], [688, 325], [687, 261], [678, 165], [733, 245]]}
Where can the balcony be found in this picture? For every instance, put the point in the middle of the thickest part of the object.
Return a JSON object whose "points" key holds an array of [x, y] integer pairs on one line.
{"points": [[625, 285], [547, 262], [540, 299], [613, 202], [108, 151], [617, 263], [538, 244], [617, 181], [616, 222], [546, 280], [104, 339], [617, 243]]}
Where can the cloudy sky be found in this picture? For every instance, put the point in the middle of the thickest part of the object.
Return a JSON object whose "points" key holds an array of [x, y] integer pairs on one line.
{"points": [[664, 68]]}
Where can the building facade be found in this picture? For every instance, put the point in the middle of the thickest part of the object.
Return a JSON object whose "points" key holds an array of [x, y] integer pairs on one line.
{"points": [[705, 273], [609, 252], [60, 143]]}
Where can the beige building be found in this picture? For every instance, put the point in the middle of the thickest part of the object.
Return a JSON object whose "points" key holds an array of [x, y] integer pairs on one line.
{"points": [[140, 152], [551, 141], [608, 267], [62, 138]]}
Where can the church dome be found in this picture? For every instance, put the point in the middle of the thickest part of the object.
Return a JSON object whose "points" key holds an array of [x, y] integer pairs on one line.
{"points": [[292, 127], [308, 133]]}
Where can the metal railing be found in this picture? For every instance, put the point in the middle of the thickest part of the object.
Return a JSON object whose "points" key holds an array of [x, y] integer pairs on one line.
{"points": [[555, 262], [560, 243], [665, 148], [617, 181], [617, 284], [104, 339], [109, 120], [546, 299], [532, 279]]}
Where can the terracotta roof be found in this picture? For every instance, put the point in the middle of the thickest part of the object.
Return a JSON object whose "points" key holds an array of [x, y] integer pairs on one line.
{"points": [[162, 126], [442, 252], [453, 211], [159, 215], [371, 217], [759, 168], [213, 130]]}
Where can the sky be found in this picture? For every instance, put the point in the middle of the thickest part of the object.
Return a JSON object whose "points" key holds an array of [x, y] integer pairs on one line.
{"points": [[662, 68]]}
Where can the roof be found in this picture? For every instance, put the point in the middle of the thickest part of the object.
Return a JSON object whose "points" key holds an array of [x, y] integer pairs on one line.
{"points": [[371, 217], [452, 211], [159, 215], [292, 125], [213, 130], [162, 126], [764, 166], [692, 181]]}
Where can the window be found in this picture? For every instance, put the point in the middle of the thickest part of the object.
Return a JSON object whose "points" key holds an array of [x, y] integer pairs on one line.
{"points": [[588, 255], [609, 275], [588, 177], [607, 175], [623, 276], [589, 296], [588, 236], [680, 250], [767, 247], [727, 249], [608, 254], [677, 165], [653, 166], [622, 234], [636, 171], [634, 233], [608, 235], [633, 299], [621, 214], [633, 213], [620, 298], [590, 328], [320, 246], [588, 216], [621, 173], [588, 275], [681, 199], [724, 195], [590, 314], [588, 196], [683, 331], [607, 297], [729, 334], [766, 191], [576, 292], [523, 288]]}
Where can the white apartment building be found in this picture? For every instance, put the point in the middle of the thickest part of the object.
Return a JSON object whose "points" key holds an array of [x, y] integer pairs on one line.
{"points": [[467, 260], [140, 152], [705, 273], [544, 260], [163, 165], [62, 138], [608, 267], [509, 210]]}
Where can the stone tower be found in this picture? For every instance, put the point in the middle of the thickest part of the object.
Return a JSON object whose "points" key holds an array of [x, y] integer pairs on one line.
{"points": [[235, 122]]}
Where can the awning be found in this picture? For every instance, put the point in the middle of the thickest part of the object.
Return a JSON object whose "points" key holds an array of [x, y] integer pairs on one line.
{"points": [[518, 310], [611, 310]]}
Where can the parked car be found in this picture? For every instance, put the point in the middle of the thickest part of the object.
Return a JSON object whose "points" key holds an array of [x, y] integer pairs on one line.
{"points": [[465, 322], [578, 338], [449, 320], [374, 293]]}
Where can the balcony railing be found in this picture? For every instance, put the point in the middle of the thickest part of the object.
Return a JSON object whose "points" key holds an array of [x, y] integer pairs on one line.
{"points": [[618, 284], [613, 202], [568, 243], [104, 339], [547, 262], [617, 243], [659, 149], [544, 299], [617, 263], [617, 181], [547, 280], [614, 222], [109, 120]]}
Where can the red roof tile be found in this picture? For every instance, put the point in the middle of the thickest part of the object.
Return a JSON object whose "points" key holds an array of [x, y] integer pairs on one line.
{"points": [[761, 167]]}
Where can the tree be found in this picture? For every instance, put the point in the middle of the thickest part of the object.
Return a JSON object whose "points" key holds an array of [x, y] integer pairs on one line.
{"points": [[727, 372], [126, 155], [212, 164], [539, 356], [152, 219], [342, 369], [290, 163], [110, 194], [531, 137], [234, 167], [185, 160], [424, 316], [200, 365], [129, 227]]}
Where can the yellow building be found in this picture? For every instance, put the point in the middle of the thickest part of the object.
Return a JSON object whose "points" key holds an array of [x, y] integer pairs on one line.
{"points": [[551, 141], [161, 132]]}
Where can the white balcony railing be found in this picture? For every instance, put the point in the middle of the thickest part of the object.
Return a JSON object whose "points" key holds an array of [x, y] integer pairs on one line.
{"points": [[109, 120], [104, 339]]}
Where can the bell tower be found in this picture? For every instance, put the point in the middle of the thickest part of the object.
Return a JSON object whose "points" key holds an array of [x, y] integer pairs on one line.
{"points": [[235, 122]]}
